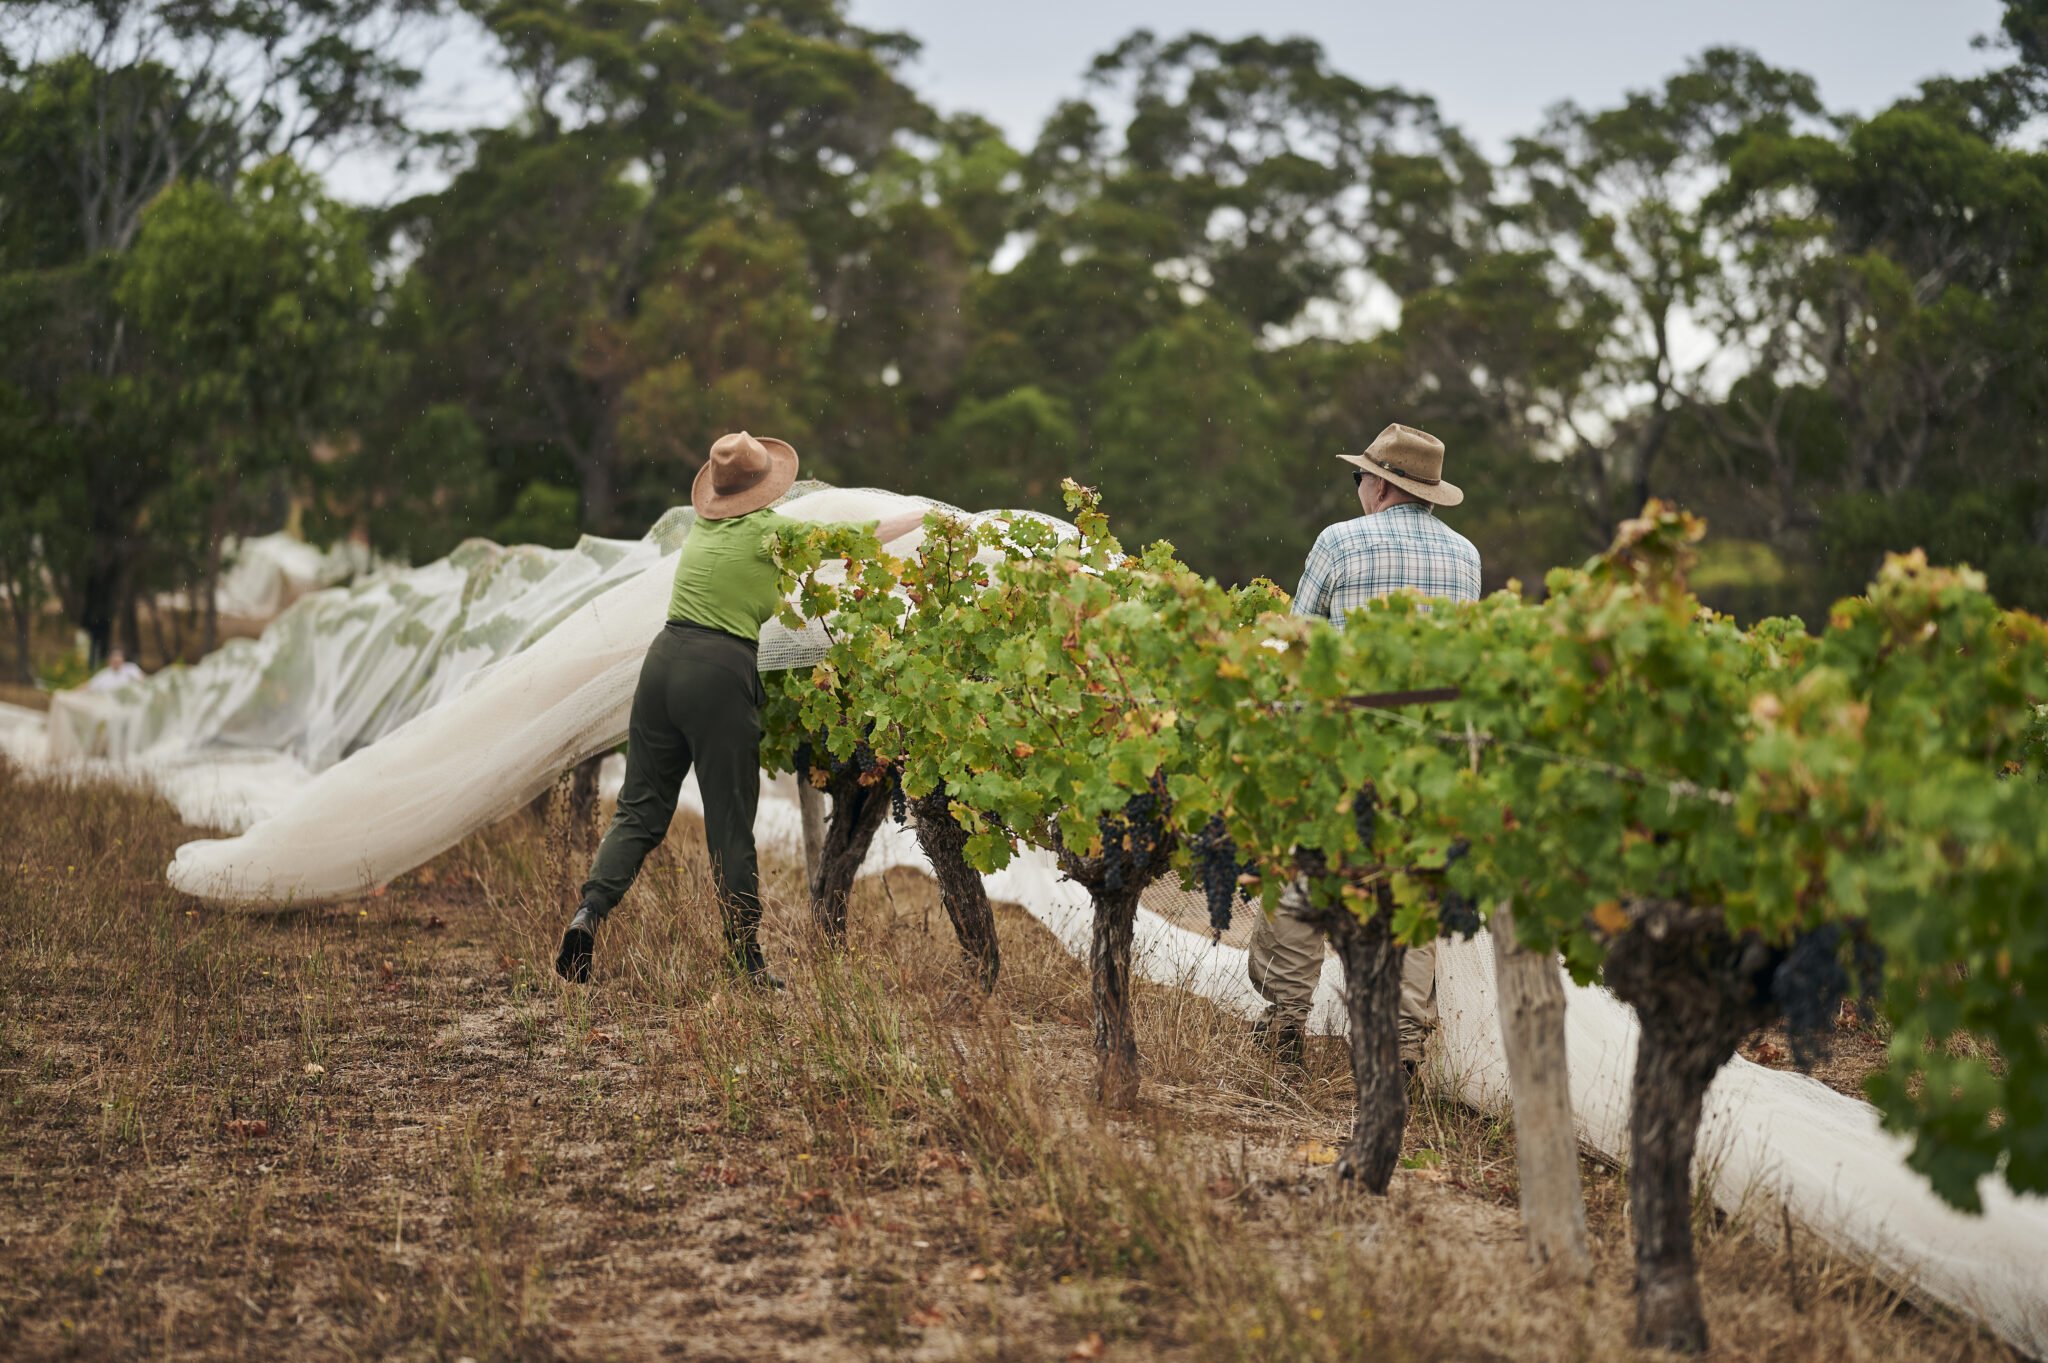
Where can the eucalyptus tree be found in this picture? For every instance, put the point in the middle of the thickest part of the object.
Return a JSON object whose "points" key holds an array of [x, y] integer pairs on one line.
{"points": [[1616, 196], [254, 309], [104, 107], [670, 239]]}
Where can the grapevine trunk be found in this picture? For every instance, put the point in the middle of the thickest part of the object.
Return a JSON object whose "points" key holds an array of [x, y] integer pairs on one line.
{"points": [[857, 812], [1372, 997], [1109, 961], [1137, 847], [960, 886], [1697, 992]]}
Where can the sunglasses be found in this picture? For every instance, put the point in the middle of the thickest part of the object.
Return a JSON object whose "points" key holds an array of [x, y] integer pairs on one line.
{"points": [[1358, 477]]}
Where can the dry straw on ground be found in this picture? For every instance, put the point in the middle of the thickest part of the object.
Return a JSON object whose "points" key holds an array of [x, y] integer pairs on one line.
{"points": [[386, 1130]]}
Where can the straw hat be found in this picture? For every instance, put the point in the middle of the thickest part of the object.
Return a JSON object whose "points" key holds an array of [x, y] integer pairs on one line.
{"points": [[744, 473], [1411, 460]]}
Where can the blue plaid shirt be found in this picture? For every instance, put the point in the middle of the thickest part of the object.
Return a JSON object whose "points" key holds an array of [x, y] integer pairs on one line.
{"points": [[1403, 546]]}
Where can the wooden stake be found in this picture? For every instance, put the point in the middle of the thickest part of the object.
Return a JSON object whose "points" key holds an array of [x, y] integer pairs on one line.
{"points": [[1546, 1147], [810, 803]]}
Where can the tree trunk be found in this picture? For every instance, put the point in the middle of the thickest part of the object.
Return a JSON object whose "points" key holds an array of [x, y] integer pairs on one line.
{"points": [[857, 812], [1109, 970], [583, 796], [130, 619], [209, 632], [1697, 992], [156, 629], [1531, 997], [97, 616], [1136, 850], [1372, 998], [22, 606], [960, 887]]}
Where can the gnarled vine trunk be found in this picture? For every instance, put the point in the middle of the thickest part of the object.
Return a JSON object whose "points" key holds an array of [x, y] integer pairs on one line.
{"points": [[857, 812], [1109, 972], [1372, 962], [1136, 851], [960, 888], [1697, 992]]}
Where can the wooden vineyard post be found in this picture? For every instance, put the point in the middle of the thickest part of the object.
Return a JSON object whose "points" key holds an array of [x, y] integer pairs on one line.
{"points": [[1531, 1000], [810, 804]]}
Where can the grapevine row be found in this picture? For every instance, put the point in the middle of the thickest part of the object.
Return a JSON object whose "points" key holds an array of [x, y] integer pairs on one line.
{"points": [[1790, 810]]}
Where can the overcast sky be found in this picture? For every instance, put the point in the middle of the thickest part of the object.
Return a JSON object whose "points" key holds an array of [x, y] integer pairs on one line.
{"points": [[1493, 65]]}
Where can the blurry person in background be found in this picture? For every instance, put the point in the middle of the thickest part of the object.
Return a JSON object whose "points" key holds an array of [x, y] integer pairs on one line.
{"points": [[1398, 543], [116, 674]]}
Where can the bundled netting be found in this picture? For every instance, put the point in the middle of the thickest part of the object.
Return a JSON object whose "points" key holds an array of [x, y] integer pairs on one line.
{"points": [[495, 684]]}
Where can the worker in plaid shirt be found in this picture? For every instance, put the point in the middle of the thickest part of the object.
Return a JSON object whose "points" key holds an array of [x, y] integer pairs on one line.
{"points": [[1398, 543]]}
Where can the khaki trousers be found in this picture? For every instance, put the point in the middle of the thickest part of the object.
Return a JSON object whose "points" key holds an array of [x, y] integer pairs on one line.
{"points": [[1286, 961]]}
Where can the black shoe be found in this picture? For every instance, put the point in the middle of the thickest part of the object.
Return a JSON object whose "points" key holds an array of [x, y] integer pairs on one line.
{"points": [[747, 962], [572, 962]]}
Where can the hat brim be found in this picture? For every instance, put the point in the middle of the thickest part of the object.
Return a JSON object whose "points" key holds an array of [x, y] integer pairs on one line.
{"points": [[780, 478], [1438, 493]]}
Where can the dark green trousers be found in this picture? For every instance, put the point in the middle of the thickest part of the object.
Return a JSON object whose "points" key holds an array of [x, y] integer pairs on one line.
{"points": [[698, 703]]}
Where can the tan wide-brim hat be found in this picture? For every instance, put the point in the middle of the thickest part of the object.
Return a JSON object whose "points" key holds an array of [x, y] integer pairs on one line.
{"points": [[744, 473], [1411, 460]]}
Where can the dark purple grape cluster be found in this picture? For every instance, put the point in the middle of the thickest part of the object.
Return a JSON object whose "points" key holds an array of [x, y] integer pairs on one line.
{"points": [[1365, 815], [1457, 915], [1134, 842], [860, 763], [1217, 854], [1808, 987]]}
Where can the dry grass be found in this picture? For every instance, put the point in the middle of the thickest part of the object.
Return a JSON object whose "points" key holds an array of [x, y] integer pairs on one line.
{"points": [[488, 1164]]}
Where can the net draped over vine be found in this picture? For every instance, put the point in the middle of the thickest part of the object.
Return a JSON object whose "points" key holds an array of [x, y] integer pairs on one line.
{"points": [[372, 727]]}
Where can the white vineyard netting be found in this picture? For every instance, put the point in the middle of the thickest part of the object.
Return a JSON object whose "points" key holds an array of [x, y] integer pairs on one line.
{"points": [[372, 727]]}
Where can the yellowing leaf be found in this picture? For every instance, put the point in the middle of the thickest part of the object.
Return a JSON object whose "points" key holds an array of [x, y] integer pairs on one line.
{"points": [[1608, 914]]}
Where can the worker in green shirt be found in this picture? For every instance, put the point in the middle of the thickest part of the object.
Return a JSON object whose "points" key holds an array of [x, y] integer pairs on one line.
{"points": [[699, 698]]}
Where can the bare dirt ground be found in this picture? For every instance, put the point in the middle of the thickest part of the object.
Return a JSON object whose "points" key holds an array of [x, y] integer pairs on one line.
{"points": [[385, 1130]]}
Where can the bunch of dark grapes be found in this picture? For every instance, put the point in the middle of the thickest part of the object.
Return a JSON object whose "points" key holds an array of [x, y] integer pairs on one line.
{"points": [[1808, 986], [1454, 912], [1217, 852], [1365, 814], [1132, 842], [861, 764]]}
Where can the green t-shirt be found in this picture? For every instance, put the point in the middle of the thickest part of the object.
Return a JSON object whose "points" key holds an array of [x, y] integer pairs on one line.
{"points": [[725, 578]]}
